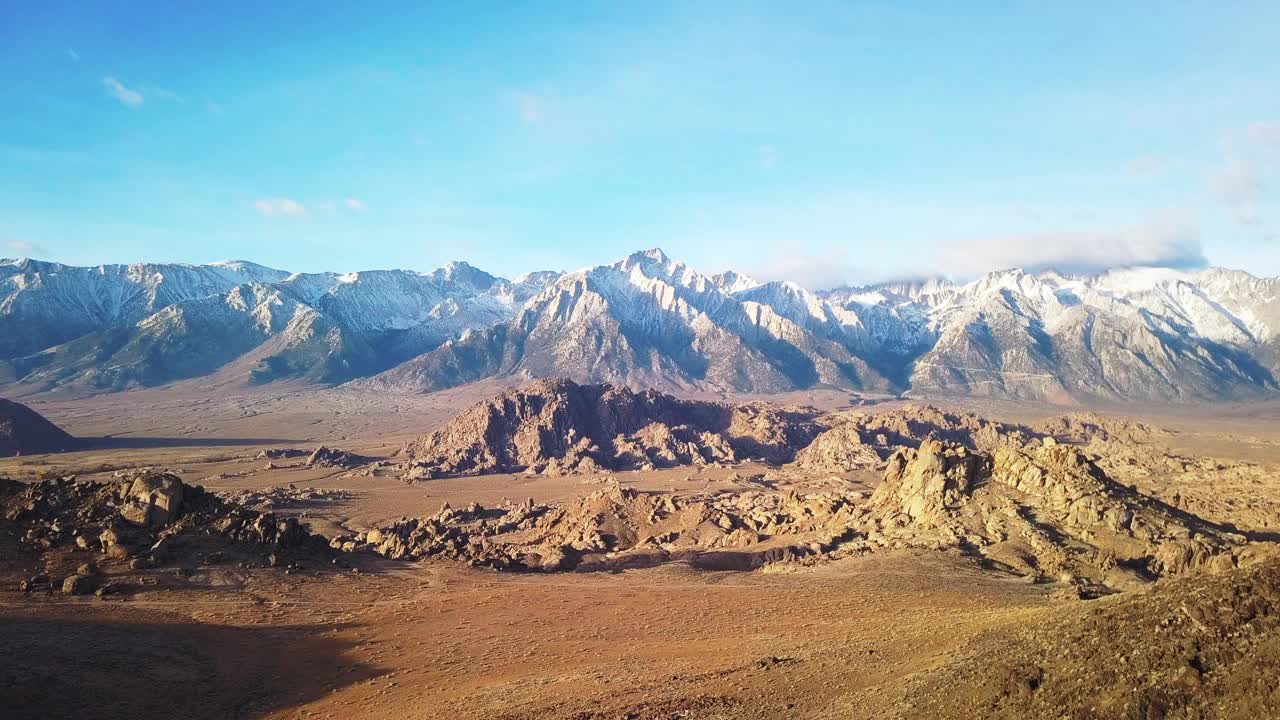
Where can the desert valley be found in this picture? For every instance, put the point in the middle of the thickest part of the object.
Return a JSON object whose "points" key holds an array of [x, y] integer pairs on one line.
{"points": [[636, 491]]}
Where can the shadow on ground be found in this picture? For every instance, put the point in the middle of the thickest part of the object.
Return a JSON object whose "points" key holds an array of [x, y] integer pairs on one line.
{"points": [[90, 668], [141, 443]]}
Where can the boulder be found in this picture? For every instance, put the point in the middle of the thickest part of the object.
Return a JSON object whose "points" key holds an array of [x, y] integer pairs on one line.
{"points": [[153, 500]]}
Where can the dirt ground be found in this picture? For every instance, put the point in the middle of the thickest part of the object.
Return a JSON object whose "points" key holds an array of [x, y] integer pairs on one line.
{"points": [[400, 639]]}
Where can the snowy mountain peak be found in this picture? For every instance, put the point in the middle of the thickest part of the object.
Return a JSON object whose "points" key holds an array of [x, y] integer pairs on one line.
{"points": [[647, 319]]}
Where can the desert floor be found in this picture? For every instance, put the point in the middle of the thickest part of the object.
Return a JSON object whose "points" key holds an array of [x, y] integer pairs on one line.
{"points": [[410, 640]]}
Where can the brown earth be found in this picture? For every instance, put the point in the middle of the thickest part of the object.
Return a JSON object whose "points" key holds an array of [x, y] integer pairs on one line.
{"points": [[856, 636]]}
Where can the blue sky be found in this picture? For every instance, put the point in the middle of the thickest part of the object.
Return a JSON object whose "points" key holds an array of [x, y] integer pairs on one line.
{"points": [[822, 142]]}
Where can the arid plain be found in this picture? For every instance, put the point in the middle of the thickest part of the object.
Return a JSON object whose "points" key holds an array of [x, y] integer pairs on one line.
{"points": [[859, 634]]}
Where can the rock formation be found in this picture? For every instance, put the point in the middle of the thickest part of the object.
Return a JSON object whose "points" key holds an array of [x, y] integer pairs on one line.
{"points": [[1042, 510], [148, 518], [865, 439], [558, 427]]}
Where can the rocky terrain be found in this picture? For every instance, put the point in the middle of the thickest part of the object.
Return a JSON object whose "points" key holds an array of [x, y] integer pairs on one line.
{"points": [[145, 519], [24, 431], [1043, 510], [690, 559], [866, 439], [646, 320], [1203, 647], [558, 427]]}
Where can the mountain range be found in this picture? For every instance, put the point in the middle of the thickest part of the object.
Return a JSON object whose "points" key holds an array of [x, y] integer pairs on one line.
{"points": [[644, 321]]}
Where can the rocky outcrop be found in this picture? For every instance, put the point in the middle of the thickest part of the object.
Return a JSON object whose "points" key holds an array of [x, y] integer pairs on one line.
{"points": [[149, 517], [1085, 427], [559, 427], [1043, 510], [616, 526], [24, 431], [864, 440], [335, 458]]}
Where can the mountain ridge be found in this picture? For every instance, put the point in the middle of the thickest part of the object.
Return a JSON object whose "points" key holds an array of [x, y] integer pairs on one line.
{"points": [[646, 320]]}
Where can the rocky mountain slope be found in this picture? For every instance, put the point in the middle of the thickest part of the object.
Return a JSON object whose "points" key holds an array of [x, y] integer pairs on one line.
{"points": [[24, 431], [646, 321]]}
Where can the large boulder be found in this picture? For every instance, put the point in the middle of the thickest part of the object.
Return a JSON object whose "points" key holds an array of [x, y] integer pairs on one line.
{"points": [[152, 500]]}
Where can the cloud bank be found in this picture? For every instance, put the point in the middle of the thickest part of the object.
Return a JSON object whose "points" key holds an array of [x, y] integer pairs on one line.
{"points": [[1167, 241]]}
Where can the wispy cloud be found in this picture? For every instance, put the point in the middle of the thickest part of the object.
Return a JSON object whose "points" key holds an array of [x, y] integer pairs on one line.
{"points": [[25, 248], [815, 271], [1240, 187], [162, 93], [213, 107], [75, 56], [119, 91], [280, 207], [354, 204], [530, 107], [1240, 183], [1167, 240]]}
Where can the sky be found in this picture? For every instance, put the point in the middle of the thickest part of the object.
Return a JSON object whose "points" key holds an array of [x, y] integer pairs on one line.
{"points": [[826, 143]]}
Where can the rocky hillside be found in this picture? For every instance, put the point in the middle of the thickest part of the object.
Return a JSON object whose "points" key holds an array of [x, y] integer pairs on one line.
{"points": [[558, 426], [1043, 509], [646, 321], [1197, 647], [24, 431]]}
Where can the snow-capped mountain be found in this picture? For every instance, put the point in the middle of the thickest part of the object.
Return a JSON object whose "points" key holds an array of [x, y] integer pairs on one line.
{"points": [[646, 320], [115, 326], [649, 320]]}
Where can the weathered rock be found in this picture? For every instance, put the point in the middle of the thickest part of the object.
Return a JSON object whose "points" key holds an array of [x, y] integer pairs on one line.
{"points": [[558, 427], [79, 584], [153, 499], [335, 458]]}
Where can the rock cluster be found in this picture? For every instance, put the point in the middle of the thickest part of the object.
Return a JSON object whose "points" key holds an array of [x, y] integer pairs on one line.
{"points": [[559, 427], [1085, 427], [865, 439], [279, 498], [1044, 510], [619, 526], [148, 518], [335, 458], [24, 431]]}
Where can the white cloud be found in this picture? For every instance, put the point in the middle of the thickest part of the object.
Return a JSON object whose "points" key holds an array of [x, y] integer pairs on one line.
{"points": [[354, 204], [1240, 187], [129, 97], [71, 53], [1240, 182], [213, 107], [281, 206], [1264, 133], [530, 107], [1170, 240], [811, 271], [26, 248]]}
